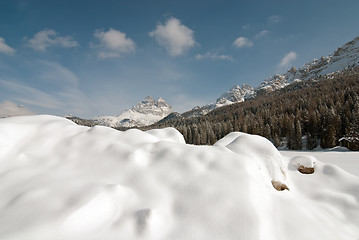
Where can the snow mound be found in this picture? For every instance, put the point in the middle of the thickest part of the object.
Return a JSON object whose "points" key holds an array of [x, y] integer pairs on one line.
{"points": [[304, 164], [305, 161], [259, 149], [168, 134], [62, 181]]}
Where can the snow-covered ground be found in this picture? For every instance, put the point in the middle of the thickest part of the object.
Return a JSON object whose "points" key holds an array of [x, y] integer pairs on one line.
{"points": [[347, 160], [62, 181]]}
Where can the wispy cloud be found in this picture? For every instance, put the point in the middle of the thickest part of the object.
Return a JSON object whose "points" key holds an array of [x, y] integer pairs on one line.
{"points": [[275, 19], [242, 42], [49, 38], [245, 27], [113, 43], [214, 56], [30, 95], [287, 60], [175, 37], [183, 102], [55, 73], [4, 48], [9, 109], [55, 90], [261, 34]]}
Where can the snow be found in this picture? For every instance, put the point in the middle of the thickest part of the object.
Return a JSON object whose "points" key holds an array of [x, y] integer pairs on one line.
{"points": [[347, 160], [305, 161], [145, 113], [62, 181], [346, 56]]}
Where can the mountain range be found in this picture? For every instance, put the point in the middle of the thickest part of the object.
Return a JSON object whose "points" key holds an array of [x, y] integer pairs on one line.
{"points": [[344, 57], [150, 111], [146, 112]]}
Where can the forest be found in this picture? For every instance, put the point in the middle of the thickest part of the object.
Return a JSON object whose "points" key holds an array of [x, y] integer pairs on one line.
{"points": [[308, 114]]}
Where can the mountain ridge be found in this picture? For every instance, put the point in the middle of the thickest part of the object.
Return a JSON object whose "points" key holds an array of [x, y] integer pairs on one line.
{"points": [[150, 111], [146, 112], [342, 58]]}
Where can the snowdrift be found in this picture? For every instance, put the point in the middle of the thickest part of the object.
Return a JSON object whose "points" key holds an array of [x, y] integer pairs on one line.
{"points": [[62, 181]]}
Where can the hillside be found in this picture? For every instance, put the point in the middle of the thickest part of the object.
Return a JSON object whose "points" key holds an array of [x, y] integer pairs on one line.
{"points": [[345, 57], [322, 111]]}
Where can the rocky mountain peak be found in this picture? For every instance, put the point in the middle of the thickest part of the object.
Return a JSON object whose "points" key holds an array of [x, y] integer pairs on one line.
{"points": [[146, 112], [342, 58], [237, 94]]}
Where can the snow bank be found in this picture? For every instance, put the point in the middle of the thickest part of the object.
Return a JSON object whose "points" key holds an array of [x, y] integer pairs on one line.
{"points": [[63, 181], [306, 161], [259, 149]]}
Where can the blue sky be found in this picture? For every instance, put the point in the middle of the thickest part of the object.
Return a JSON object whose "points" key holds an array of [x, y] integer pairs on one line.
{"points": [[91, 58]]}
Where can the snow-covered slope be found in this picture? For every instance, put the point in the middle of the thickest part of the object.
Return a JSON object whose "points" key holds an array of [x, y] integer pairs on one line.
{"points": [[62, 181], [144, 113], [344, 57], [234, 95]]}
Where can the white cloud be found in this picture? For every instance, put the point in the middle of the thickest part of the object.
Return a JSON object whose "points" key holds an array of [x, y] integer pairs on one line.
{"points": [[113, 43], [49, 38], [287, 60], [213, 56], [261, 34], [275, 19], [242, 42], [175, 37], [4, 48]]}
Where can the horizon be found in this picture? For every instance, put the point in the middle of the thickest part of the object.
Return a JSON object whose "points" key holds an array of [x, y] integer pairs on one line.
{"points": [[91, 58]]}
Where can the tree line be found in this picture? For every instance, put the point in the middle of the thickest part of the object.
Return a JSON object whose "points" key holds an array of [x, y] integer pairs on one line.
{"points": [[308, 114]]}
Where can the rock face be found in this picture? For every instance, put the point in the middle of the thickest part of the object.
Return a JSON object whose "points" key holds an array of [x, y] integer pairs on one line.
{"points": [[234, 95], [146, 112]]}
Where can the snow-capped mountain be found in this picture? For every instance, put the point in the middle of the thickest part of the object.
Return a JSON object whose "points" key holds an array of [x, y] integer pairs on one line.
{"points": [[234, 95], [344, 57], [144, 113]]}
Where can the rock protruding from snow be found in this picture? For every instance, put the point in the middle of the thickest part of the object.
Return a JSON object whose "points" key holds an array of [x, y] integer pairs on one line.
{"points": [[146, 112], [304, 164]]}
